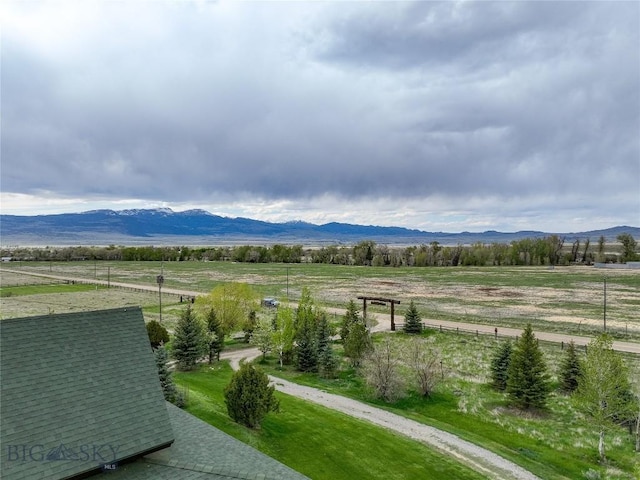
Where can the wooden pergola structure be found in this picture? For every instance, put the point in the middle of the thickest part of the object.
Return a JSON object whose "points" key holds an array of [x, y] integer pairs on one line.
{"points": [[380, 301]]}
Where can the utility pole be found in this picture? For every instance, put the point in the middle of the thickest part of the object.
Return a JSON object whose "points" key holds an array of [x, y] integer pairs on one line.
{"points": [[160, 280], [605, 305]]}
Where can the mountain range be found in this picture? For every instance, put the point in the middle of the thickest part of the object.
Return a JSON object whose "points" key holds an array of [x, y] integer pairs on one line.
{"points": [[199, 227]]}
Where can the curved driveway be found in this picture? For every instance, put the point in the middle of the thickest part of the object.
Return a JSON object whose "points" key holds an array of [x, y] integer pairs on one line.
{"points": [[474, 456]]}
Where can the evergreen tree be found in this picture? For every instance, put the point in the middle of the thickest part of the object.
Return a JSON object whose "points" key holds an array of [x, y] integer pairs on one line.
{"points": [[604, 393], [249, 326], [158, 335], [570, 370], [306, 348], [412, 320], [215, 335], [358, 343], [169, 389], [189, 342], [249, 397], [327, 363], [528, 381], [306, 333], [351, 316], [500, 366]]}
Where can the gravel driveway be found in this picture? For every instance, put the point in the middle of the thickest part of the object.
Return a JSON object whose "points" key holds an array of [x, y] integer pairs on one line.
{"points": [[476, 457]]}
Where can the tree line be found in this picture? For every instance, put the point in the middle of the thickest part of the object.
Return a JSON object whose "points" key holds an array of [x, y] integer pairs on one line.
{"points": [[549, 250]]}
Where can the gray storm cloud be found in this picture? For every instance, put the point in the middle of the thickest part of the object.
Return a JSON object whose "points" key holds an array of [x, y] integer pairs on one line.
{"points": [[401, 100]]}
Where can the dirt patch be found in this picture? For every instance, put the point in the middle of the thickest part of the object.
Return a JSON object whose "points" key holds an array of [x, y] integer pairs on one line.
{"points": [[499, 292], [383, 282]]}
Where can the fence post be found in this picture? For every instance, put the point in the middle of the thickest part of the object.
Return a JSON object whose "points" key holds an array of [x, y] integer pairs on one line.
{"points": [[440, 328], [477, 334]]}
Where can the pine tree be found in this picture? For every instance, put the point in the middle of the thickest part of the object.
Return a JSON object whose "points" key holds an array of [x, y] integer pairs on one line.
{"points": [[327, 363], [158, 335], [249, 397], [358, 343], [570, 370], [215, 335], [189, 342], [500, 366], [306, 349], [250, 325], [412, 320], [351, 316], [528, 381], [355, 336], [306, 333], [169, 389]]}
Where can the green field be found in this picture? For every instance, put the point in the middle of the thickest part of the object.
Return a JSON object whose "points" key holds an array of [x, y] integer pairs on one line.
{"points": [[567, 299]]}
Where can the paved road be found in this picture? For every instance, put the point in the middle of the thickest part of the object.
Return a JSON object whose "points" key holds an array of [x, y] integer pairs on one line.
{"points": [[384, 320]]}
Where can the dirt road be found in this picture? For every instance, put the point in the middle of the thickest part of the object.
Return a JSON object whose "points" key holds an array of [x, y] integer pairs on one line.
{"points": [[629, 347]]}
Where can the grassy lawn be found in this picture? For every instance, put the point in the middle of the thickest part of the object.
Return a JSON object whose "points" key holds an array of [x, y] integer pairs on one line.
{"points": [[316, 441], [553, 444], [21, 290]]}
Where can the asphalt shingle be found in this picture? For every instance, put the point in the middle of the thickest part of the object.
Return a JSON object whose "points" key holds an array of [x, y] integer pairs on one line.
{"points": [[80, 390], [202, 452], [77, 390]]}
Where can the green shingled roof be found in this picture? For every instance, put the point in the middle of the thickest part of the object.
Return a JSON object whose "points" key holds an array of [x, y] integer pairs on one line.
{"points": [[202, 452], [77, 390]]}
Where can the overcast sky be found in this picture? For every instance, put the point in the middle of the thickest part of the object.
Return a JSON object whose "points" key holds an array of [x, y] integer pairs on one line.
{"points": [[444, 116]]}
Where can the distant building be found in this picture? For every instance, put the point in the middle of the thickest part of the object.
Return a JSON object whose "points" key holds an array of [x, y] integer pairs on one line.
{"points": [[80, 395]]}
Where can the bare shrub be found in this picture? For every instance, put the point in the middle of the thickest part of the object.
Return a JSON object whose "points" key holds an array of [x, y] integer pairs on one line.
{"points": [[423, 361], [381, 370]]}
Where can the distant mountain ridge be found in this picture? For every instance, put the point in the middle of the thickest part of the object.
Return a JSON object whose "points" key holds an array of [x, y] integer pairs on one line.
{"points": [[104, 227]]}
